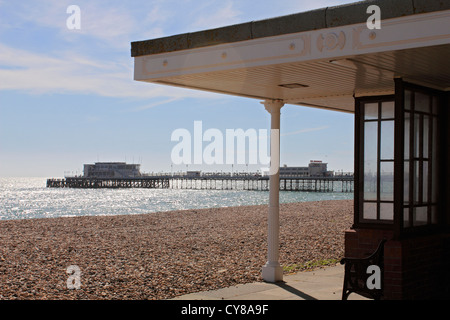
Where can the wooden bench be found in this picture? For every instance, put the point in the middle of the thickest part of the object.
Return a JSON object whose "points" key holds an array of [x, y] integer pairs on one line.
{"points": [[355, 278]]}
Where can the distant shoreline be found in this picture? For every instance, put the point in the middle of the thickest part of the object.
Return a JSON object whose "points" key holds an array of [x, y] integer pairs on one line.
{"points": [[163, 254]]}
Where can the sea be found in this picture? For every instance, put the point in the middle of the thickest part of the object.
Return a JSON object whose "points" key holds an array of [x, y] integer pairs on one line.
{"points": [[29, 198]]}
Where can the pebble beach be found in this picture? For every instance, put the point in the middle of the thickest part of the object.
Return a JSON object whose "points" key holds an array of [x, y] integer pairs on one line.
{"points": [[162, 255]]}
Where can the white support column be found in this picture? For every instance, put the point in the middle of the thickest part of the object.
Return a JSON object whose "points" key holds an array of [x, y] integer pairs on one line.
{"points": [[272, 270]]}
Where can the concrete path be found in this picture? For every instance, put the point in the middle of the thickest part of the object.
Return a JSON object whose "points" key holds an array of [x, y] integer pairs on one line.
{"points": [[320, 284]]}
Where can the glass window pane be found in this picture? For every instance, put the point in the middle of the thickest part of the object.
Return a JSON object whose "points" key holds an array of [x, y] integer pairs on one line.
{"points": [[421, 102], [370, 211], [408, 99], [371, 111], [420, 216], [387, 140], [416, 135], [435, 167], [426, 134], [370, 160], [425, 181], [407, 134], [386, 211], [370, 186], [387, 110], [406, 222], [406, 182], [387, 181], [416, 179]]}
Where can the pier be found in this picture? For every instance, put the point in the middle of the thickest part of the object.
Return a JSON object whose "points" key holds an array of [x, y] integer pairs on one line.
{"points": [[82, 182], [258, 183], [252, 182]]}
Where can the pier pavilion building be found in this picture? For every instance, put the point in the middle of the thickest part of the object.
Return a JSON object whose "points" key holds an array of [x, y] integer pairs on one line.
{"points": [[394, 77], [315, 168], [111, 170]]}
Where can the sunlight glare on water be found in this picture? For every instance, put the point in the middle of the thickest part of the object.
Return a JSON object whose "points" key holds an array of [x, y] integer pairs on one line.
{"points": [[24, 198]]}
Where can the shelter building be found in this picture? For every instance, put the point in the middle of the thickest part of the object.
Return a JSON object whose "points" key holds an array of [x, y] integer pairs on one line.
{"points": [[396, 82]]}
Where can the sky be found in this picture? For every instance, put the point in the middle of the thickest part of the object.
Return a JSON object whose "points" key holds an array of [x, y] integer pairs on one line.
{"points": [[67, 96]]}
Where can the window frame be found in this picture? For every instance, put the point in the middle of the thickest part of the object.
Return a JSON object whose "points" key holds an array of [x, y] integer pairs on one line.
{"points": [[397, 224], [360, 122], [401, 229]]}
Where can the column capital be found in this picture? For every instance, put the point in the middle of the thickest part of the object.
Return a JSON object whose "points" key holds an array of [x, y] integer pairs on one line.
{"points": [[273, 105]]}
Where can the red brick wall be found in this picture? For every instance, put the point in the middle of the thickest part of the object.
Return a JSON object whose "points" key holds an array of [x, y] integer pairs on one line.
{"points": [[361, 243], [414, 268], [425, 266]]}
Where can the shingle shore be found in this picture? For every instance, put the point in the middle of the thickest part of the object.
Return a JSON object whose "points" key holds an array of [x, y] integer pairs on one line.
{"points": [[162, 255]]}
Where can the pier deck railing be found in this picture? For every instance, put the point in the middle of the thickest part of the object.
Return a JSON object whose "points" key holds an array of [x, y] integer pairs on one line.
{"points": [[210, 182], [81, 182]]}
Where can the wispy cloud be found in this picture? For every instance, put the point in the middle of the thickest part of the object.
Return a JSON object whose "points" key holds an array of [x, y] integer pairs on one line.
{"points": [[97, 59], [225, 15], [110, 23], [67, 72], [92, 60], [155, 104]]}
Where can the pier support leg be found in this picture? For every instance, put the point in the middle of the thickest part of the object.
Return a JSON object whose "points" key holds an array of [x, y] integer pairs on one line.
{"points": [[272, 270]]}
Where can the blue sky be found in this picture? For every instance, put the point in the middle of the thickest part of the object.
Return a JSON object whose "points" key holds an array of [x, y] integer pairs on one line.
{"points": [[67, 97]]}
